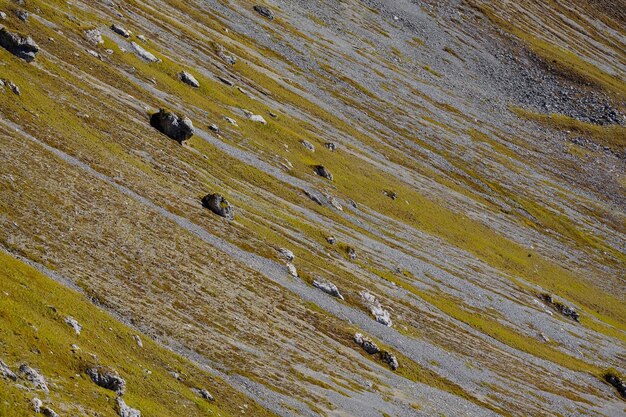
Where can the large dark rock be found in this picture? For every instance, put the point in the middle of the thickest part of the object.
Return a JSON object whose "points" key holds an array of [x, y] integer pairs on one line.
{"points": [[390, 360], [322, 171], [179, 128], [219, 205], [366, 343], [107, 378], [264, 11], [21, 46], [617, 382]]}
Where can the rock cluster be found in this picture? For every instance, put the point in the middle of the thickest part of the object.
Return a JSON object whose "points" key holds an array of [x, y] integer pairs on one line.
{"points": [[179, 128], [560, 307], [23, 47], [371, 348], [126, 411], [219, 205], [328, 287]]}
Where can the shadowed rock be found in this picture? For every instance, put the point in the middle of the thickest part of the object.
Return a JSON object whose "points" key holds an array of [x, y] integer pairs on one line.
{"points": [[307, 145], [390, 360], [6, 372], [367, 345], [179, 128], [328, 288], [287, 254], [120, 30], [330, 146], [107, 378], [33, 376], [37, 403], [219, 205], [189, 79], [49, 412], [23, 47], [264, 11], [204, 394], [322, 171]]}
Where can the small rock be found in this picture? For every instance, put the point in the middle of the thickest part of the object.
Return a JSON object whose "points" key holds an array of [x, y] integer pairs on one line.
{"points": [[36, 402], [14, 88], [21, 46], [366, 343], [142, 38], [264, 11], [138, 340], [273, 115], [560, 307], [391, 194], [322, 171], [313, 197], [126, 411], [189, 79], [331, 240], [219, 205], [213, 128], [204, 394], [143, 54], [34, 377], [94, 36], [254, 117], [49, 412], [179, 128], [328, 287], [6, 372], [390, 359], [335, 203], [226, 81], [73, 323], [230, 120], [107, 378], [120, 30], [351, 253], [22, 15], [292, 269], [229, 59], [308, 145], [287, 254], [3, 16], [330, 146]]}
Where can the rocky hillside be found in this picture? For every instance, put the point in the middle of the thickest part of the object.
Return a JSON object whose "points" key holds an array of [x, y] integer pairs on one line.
{"points": [[303, 208]]}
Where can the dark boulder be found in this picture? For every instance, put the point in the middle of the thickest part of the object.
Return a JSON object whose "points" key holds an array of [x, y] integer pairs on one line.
{"points": [[322, 171], [179, 128], [617, 382], [330, 146], [120, 30], [264, 11], [390, 360], [107, 378], [219, 205], [367, 345], [23, 47]]}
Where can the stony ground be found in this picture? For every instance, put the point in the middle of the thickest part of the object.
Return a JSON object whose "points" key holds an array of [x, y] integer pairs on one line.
{"points": [[478, 193]]}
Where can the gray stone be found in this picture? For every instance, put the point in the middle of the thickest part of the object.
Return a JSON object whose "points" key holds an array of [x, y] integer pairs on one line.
{"points": [[143, 54], [351, 253], [22, 15], [94, 36], [6, 372], [264, 11], [287, 254], [34, 377], [219, 205], [126, 411], [107, 378], [328, 288], [187, 78], [204, 394], [179, 128], [292, 270], [390, 360], [308, 145], [23, 47], [254, 117], [120, 30], [366, 343], [36, 402], [381, 315], [73, 323]]}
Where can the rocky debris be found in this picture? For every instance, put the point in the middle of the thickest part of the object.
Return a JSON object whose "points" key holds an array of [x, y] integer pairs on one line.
{"points": [[204, 394], [73, 323], [94, 36], [137, 340], [6, 372], [314, 197], [34, 377], [226, 81], [126, 411], [120, 30], [219, 205], [107, 378], [322, 171], [254, 117], [307, 145], [287, 254], [143, 54], [189, 79], [328, 287], [390, 360], [22, 15], [560, 307], [36, 402], [292, 270], [264, 11], [49, 412], [380, 314], [230, 120], [23, 47], [330, 146], [351, 253], [331, 240], [366, 343], [391, 194], [616, 381], [179, 128]]}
